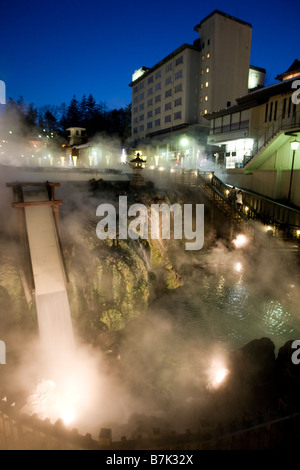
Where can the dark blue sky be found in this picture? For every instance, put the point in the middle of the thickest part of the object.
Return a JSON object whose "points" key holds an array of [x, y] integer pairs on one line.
{"points": [[51, 51]]}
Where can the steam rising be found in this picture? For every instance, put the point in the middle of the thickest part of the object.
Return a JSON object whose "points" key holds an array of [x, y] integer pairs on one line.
{"points": [[170, 358]]}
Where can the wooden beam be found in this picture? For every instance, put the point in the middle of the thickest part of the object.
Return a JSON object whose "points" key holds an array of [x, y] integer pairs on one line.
{"points": [[37, 203], [32, 184]]}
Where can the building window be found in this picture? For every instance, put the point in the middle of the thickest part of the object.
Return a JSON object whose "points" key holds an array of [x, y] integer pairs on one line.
{"points": [[178, 74], [205, 111], [178, 102], [206, 98], [177, 115], [289, 108], [266, 112], [142, 96], [168, 106], [168, 80], [141, 107], [275, 110], [158, 86], [141, 127], [158, 74], [150, 79], [284, 108], [207, 69], [150, 102], [157, 122], [158, 99], [168, 93], [150, 91], [149, 125], [201, 86], [150, 114], [206, 84], [142, 85], [202, 71], [168, 118], [179, 60], [135, 129], [271, 110], [141, 117], [208, 42], [135, 109], [208, 55], [178, 88], [169, 67], [136, 89], [202, 57], [157, 110], [201, 99], [135, 120], [135, 100]]}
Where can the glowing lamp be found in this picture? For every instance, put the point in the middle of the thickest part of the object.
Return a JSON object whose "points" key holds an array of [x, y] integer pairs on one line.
{"points": [[294, 145]]}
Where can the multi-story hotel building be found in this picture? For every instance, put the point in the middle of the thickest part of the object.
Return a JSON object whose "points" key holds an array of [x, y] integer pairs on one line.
{"points": [[172, 98]]}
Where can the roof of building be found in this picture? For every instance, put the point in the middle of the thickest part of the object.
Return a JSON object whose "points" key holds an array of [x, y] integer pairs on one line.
{"points": [[218, 12], [177, 51], [254, 98], [293, 69]]}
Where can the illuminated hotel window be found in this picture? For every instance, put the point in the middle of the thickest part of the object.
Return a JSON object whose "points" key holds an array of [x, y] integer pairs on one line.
{"points": [[202, 57], [208, 55], [206, 98], [201, 99], [201, 86], [202, 71], [206, 84], [168, 80], [207, 69], [205, 111]]}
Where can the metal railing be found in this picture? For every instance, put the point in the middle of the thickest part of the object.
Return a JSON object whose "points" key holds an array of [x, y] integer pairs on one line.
{"points": [[288, 122]]}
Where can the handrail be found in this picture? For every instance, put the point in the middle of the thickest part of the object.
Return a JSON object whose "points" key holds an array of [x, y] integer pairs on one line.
{"points": [[282, 123]]}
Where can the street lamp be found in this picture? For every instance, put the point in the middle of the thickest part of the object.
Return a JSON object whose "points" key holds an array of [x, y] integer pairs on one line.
{"points": [[294, 147]]}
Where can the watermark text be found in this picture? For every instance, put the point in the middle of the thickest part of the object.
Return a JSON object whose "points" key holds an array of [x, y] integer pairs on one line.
{"points": [[152, 223]]}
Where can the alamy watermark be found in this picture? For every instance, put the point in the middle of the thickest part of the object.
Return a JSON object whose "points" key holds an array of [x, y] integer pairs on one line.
{"points": [[2, 352], [154, 223], [296, 94], [2, 92]]}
